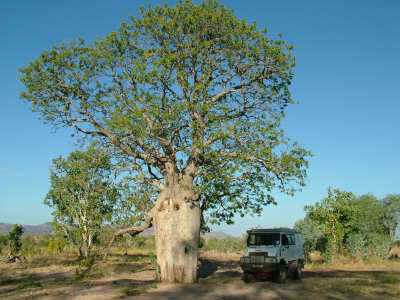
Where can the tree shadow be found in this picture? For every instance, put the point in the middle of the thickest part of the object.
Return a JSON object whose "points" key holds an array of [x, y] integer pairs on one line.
{"points": [[213, 271], [129, 256], [206, 268], [379, 276], [132, 287]]}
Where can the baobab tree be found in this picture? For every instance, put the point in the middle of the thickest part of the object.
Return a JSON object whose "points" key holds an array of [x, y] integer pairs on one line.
{"points": [[191, 99]]}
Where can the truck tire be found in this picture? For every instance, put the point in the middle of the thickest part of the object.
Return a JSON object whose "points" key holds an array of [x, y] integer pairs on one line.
{"points": [[248, 277], [298, 272], [281, 274]]}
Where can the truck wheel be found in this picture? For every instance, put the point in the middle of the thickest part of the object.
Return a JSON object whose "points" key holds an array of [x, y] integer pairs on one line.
{"points": [[248, 277], [298, 272], [281, 274]]}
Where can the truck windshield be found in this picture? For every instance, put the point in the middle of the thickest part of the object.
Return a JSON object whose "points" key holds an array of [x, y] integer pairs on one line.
{"points": [[258, 239]]}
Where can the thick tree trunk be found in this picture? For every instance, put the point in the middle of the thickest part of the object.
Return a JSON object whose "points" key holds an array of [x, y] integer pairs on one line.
{"points": [[177, 232]]}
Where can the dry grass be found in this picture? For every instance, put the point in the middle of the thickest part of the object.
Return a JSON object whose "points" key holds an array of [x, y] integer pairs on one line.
{"points": [[221, 256], [315, 257], [395, 252], [120, 276], [53, 277]]}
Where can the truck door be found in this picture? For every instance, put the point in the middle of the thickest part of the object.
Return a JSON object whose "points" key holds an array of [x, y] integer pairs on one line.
{"points": [[292, 247], [285, 249]]}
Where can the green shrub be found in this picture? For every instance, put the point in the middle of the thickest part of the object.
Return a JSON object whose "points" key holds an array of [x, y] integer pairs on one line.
{"points": [[371, 245], [14, 238], [356, 245], [56, 245], [322, 244], [327, 255], [30, 246], [379, 245]]}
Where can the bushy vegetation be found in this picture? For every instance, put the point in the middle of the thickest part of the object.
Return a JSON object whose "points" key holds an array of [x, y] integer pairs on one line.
{"points": [[55, 244], [228, 245], [345, 224], [14, 240]]}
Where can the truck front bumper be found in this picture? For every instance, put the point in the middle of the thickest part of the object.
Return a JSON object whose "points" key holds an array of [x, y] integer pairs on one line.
{"points": [[267, 266]]}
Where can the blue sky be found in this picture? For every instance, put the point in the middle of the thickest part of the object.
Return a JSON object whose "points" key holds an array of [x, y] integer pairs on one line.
{"points": [[346, 83]]}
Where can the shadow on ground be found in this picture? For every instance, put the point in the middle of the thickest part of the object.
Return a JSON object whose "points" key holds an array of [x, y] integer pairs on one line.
{"points": [[208, 268]]}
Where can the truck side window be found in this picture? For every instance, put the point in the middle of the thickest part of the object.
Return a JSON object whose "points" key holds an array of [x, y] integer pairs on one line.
{"points": [[285, 240], [251, 239], [292, 239]]}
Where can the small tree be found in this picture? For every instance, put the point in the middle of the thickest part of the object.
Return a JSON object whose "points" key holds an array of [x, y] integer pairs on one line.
{"points": [[15, 243], [334, 214], [83, 195]]}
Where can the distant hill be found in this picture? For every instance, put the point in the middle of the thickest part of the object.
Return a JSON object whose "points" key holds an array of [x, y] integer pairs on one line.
{"points": [[216, 235], [40, 229]]}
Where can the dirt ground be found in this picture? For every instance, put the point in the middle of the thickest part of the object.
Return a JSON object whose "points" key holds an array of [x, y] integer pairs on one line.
{"points": [[132, 277]]}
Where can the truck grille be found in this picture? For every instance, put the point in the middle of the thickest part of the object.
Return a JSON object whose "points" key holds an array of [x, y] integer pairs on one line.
{"points": [[258, 257]]}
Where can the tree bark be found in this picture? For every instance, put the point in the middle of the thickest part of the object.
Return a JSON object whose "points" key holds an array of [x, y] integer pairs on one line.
{"points": [[176, 220], [177, 232]]}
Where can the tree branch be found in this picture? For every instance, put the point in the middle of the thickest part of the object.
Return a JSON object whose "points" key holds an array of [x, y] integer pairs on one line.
{"points": [[133, 231], [152, 173], [238, 87], [116, 142]]}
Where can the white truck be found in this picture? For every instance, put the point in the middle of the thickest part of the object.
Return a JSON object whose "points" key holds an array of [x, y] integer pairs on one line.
{"points": [[275, 253]]}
